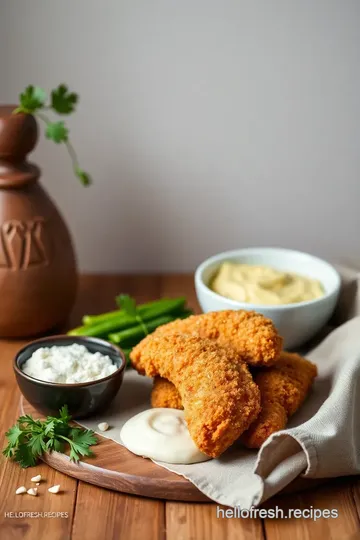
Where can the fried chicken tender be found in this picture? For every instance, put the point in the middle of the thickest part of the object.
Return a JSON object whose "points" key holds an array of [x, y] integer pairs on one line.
{"points": [[219, 396], [165, 395], [250, 334], [283, 389]]}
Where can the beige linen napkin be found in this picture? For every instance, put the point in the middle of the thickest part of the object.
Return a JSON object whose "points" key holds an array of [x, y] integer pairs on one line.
{"points": [[322, 439]]}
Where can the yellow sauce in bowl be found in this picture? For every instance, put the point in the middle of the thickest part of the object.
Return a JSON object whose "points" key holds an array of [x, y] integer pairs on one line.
{"points": [[257, 284]]}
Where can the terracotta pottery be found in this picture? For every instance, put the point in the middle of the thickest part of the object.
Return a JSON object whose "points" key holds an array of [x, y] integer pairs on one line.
{"points": [[37, 262]]}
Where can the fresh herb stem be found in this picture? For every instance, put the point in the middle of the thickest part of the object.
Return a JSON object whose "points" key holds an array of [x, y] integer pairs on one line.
{"points": [[73, 155], [42, 117], [62, 101], [69, 146], [129, 344], [65, 439], [142, 324]]}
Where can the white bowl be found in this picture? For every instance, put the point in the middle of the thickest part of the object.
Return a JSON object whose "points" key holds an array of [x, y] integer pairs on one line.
{"points": [[296, 323]]}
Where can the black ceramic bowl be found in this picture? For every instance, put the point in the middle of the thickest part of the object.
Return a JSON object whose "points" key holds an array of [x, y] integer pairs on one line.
{"points": [[83, 399]]}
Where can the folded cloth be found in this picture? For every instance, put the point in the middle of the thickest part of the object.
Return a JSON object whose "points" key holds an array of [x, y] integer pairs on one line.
{"points": [[322, 439]]}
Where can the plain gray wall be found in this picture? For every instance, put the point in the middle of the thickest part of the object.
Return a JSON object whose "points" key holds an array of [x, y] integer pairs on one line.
{"points": [[207, 125]]}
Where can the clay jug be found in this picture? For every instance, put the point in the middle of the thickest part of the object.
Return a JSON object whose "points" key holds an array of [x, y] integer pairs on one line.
{"points": [[37, 263]]}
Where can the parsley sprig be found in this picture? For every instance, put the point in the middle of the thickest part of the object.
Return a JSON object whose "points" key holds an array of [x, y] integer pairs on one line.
{"points": [[62, 101], [128, 305], [28, 439]]}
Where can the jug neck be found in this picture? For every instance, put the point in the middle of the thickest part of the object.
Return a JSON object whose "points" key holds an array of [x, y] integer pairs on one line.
{"points": [[18, 137], [14, 176]]}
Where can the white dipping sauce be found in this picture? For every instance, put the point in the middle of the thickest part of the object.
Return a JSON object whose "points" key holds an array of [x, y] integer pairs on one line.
{"points": [[161, 434], [68, 364]]}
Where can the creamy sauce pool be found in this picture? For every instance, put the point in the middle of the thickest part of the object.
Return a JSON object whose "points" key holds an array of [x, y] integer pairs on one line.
{"points": [[162, 435], [258, 284]]}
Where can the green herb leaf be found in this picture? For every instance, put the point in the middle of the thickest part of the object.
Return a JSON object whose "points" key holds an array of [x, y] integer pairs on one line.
{"points": [[57, 132], [83, 436], [64, 414], [128, 304], [83, 176], [31, 99], [24, 456], [58, 446], [14, 434], [29, 438], [55, 444], [9, 451], [49, 427], [37, 444], [80, 443], [32, 423], [63, 101]]}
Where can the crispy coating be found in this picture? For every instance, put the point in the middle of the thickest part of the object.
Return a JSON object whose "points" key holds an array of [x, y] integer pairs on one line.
{"points": [[165, 395], [283, 389], [219, 396], [250, 334], [272, 418]]}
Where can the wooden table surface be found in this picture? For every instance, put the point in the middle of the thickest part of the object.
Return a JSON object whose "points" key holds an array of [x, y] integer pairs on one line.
{"points": [[95, 513]]}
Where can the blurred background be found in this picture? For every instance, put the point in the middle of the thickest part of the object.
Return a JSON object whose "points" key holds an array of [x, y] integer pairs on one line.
{"points": [[207, 125]]}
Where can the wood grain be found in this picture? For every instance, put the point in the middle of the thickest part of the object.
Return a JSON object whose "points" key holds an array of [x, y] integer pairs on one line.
{"points": [[338, 497], [186, 521], [12, 476], [45, 503], [355, 490], [173, 285], [107, 514], [112, 466], [99, 513]]}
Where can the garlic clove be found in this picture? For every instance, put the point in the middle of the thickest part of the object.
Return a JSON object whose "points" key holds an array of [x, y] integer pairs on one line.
{"points": [[37, 484], [36, 478], [32, 491], [54, 489], [21, 489], [103, 426]]}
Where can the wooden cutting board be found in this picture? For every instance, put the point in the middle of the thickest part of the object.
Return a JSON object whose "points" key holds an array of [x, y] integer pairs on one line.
{"points": [[112, 466]]}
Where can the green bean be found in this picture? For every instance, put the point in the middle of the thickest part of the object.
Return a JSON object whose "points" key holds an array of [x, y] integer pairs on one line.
{"points": [[123, 321], [104, 327], [184, 314], [135, 334], [157, 307], [88, 320]]}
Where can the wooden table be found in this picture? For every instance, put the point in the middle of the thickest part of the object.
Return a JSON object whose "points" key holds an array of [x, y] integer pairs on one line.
{"points": [[95, 514]]}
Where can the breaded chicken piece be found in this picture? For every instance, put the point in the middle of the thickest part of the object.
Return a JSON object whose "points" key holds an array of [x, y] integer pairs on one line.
{"points": [[283, 389], [250, 334], [271, 419], [165, 395], [218, 393]]}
